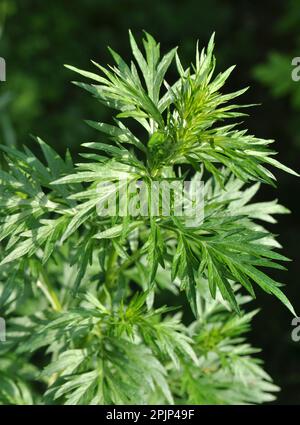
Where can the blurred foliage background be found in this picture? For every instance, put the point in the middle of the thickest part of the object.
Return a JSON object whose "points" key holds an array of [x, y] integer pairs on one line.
{"points": [[38, 37]]}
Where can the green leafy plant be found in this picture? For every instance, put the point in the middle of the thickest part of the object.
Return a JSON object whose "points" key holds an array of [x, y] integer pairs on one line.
{"points": [[83, 293]]}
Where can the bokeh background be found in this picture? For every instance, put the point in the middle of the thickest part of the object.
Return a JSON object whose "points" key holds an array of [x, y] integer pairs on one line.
{"points": [[38, 37]]}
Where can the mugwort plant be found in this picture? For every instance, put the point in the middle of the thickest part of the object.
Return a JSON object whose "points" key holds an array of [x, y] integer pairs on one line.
{"points": [[98, 263]]}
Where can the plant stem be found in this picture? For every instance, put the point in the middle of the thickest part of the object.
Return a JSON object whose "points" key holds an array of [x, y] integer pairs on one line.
{"points": [[110, 274], [44, 284]]}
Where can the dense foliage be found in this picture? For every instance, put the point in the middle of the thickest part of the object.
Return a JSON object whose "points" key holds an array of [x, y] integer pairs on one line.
{"points": [[80, 289]]}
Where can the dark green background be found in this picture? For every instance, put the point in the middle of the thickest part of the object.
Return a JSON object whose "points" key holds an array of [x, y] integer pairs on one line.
{"points": [[260, 37]]}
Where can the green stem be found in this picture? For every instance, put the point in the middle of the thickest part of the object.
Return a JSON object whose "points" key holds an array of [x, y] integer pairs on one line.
{"points": [[44, 284], [111, 275]]}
